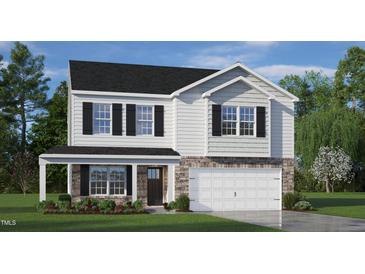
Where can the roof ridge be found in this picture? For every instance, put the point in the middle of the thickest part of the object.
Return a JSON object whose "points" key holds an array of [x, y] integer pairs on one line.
{"points": [[142, 65]]}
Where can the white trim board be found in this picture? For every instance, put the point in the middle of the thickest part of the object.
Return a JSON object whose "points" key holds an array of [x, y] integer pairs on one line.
{"points": [[103, 156], [236, 80]]}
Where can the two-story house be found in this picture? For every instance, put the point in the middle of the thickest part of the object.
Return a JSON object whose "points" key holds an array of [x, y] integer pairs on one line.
{"points": [[223, 137]]}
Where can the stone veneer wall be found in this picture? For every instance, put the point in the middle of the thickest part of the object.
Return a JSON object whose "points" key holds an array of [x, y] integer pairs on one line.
{"points": [[182, 171]]}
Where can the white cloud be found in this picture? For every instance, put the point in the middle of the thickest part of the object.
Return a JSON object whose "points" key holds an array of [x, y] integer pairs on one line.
{"points": [[277, 72], [55, 72], [226, 54], [4, 64]]}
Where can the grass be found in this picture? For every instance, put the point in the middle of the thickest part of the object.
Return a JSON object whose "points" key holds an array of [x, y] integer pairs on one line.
{"points": [[22, 209], [346, 204]]}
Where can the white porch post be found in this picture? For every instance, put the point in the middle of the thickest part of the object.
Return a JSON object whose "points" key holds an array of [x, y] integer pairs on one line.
{"points": [[42, 182], [69, 179], [170, 183], [134, 183]]}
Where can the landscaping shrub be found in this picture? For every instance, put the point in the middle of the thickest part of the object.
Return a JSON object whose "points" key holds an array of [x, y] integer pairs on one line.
{"points": [[303, 205], [290, 199], [128, 204], [87, 205], [171, 205], [182, 202], [64, 198], [138, 204], [107, 206], [44, 205]]}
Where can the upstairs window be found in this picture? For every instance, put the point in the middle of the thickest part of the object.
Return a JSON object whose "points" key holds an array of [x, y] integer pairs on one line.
{"points": [[247, 121], [101, 118], [229, 120], [144, 117]]}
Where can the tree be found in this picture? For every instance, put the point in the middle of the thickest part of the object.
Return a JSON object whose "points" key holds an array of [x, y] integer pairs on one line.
{"points": [[350, 78], [314, 91], [24, 169], [24, 87], [332, 166], [49, 130], [336, 126]]}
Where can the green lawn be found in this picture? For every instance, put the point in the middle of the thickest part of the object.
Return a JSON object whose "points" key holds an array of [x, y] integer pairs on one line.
{"points": [[346, 204], [22, 210]]}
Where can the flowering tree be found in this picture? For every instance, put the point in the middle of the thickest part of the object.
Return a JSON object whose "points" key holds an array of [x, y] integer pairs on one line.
{"points": [[332, 166]]}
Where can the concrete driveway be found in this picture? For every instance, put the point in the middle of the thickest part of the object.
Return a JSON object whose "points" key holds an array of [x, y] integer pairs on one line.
{"points": [[295, 221]]}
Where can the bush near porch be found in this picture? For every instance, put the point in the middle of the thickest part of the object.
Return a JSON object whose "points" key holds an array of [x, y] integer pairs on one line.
{"points": [[89, 206]]}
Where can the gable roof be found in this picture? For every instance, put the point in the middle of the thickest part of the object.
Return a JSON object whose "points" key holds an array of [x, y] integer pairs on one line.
{"points": [[239, 65], [235, 80], [98, 76]]}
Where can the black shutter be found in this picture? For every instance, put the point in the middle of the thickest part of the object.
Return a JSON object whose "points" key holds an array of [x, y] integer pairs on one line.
{"points": [[261, 122], [131, 120], [216, 120], [129, 180], [117, 119], [159, 120], [84, 180], [87, 118]]}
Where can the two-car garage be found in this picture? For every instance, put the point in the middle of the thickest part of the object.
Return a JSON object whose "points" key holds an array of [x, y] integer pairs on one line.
{"points": [[233, 189]]}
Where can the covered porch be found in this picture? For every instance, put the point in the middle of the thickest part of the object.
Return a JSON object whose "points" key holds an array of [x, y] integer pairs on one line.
{"points": [[114, 172]]}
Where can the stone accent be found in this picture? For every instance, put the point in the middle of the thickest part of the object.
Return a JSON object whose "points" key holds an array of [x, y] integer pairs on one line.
{"points": [[182, 170], [75, 189], [141, 185]]}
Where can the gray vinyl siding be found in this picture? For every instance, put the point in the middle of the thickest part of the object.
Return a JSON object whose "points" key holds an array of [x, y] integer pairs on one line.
{"points": [[238, 94], [282, 122], [118, 141], [191, 116]]}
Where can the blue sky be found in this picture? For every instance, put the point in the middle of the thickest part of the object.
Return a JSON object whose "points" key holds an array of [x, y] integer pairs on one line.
{"points": [[271, 59]]}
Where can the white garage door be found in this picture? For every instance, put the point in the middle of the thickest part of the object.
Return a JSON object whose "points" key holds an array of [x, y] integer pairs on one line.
{"points": [[229, 189]]}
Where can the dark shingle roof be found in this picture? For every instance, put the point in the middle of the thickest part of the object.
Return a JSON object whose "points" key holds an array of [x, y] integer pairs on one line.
{"points": [[99, 76], [112, 151]]}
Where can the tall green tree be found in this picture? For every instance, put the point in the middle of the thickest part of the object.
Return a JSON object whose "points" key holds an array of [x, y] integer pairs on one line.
{"points": [[24, 87], [350, 78], [50, 130], [314, 91], [332, 127]]}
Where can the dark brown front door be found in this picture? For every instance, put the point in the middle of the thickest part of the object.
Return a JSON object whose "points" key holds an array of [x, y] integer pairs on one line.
{"points": [[154, 186]]}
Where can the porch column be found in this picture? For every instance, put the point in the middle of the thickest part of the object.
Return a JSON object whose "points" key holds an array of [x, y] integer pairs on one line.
{"points": [[42, 182], [69, 178], [170, 183], [134, 183]]}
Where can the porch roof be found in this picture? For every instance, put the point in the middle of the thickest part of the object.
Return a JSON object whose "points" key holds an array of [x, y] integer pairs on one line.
{"points": [[142, 151]]}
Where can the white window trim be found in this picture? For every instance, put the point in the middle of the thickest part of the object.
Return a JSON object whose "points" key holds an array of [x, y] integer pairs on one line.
{"points": [[238, 122], [108, 182], [111, 118], [153, 120], [230, 121], [254, 122]]}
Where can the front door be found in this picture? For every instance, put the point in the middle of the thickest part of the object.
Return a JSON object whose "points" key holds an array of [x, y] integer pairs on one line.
{"points": [[154, 186]]}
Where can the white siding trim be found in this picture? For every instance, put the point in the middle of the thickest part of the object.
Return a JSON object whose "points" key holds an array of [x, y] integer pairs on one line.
{"points": [[235, 80], [102, 156]]}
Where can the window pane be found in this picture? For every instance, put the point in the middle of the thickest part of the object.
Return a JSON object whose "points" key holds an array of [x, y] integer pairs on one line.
{"points": [[144, 120], [247, 118], [102, 118]]}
